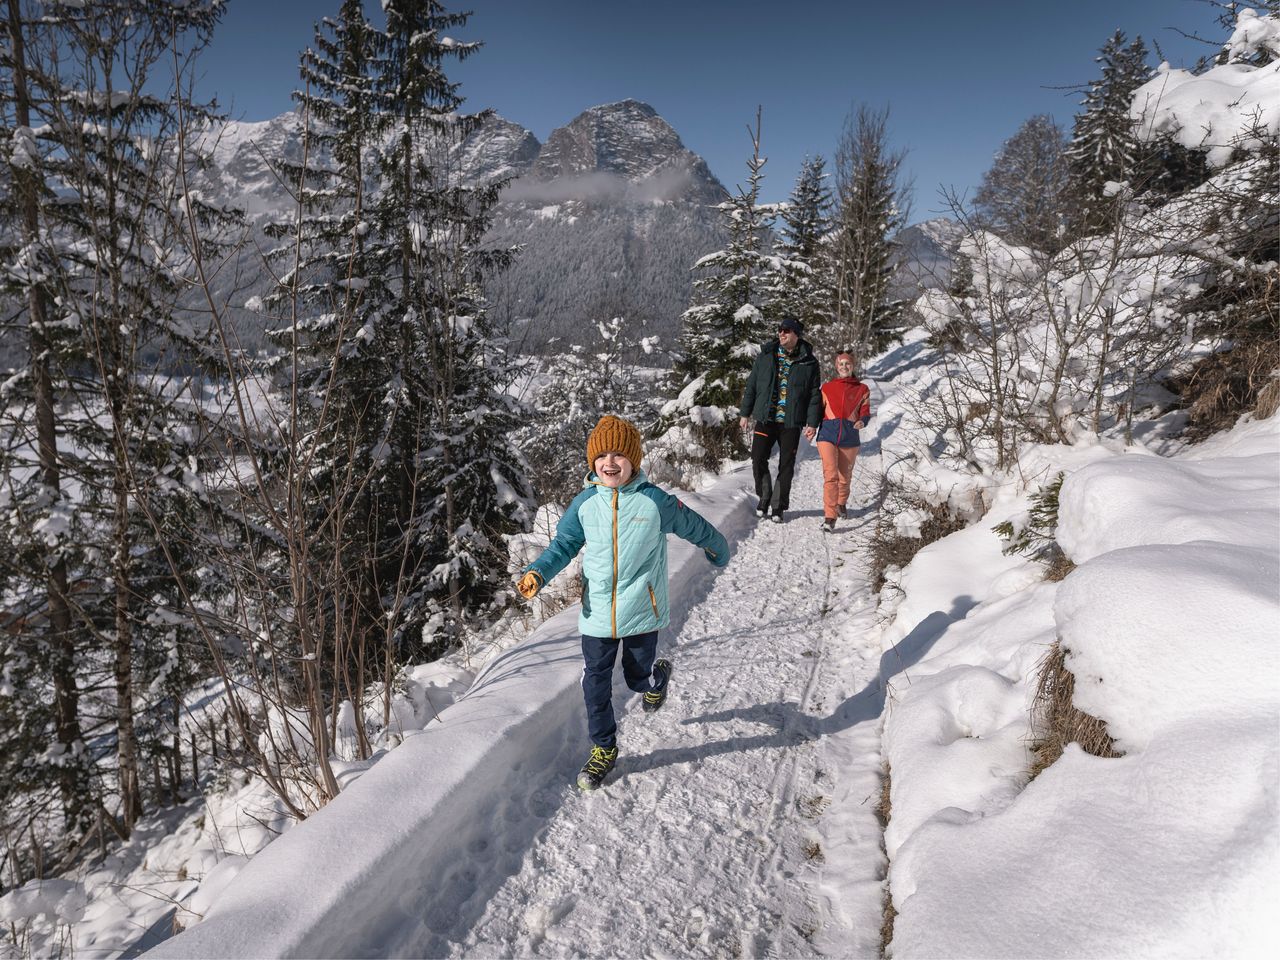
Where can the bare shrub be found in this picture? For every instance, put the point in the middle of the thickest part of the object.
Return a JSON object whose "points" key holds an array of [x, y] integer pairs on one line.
{"points": [[1056, 721]]}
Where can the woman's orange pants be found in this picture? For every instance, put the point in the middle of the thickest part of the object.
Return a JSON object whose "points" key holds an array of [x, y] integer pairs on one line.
{"points": [[837, 470]]}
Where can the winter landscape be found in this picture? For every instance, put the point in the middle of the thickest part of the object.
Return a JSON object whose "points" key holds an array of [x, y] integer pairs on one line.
{"points": [[289, 405]]}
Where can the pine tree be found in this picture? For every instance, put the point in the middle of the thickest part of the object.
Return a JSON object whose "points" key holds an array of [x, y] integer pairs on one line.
{"points": [[579, 383], [1103, 145], [459, 481], [337, 294], [723, 330], [36, 563], [872, 208], [803, 288]]}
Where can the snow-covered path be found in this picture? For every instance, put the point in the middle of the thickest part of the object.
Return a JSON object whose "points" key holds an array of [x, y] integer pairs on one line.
{"points": [[740, 810]]}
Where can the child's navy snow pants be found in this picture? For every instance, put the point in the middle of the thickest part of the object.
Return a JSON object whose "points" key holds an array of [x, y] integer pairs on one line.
{"points": [[600, 653]]}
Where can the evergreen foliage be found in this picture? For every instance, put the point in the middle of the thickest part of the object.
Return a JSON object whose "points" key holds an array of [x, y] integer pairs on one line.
{"points": [[872, 206], [1103, 147], [575, 386], [804, 285], [103, 471], [724, 328]]}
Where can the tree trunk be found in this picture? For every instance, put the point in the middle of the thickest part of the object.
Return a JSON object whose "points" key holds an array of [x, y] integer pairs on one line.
{"points": [[126, 735], [73, 783]]}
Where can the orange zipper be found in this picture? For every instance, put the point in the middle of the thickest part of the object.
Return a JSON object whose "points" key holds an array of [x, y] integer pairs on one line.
{"points": [[614, 611]]}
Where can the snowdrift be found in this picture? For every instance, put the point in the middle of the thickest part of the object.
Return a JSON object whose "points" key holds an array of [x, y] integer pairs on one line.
{"points": [[1169, 628]]}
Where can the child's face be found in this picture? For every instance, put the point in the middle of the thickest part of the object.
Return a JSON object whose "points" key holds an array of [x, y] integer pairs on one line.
{"points": [[844, 366], [613, 469]]}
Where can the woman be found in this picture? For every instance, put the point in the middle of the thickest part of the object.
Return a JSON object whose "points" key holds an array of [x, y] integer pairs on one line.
{"points": [[846, 402]]}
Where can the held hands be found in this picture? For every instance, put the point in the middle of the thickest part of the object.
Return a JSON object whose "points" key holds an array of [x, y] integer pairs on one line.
{"points": [[859, 425], [810, 433], [529, 585]]}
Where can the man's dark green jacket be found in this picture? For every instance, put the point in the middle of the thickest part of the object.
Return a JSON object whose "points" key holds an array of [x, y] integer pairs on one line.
{"points": [[804, 387]]}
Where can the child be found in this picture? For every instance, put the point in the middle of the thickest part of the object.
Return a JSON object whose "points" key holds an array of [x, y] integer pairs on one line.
{"points": [[623, 520], [846, 403]]}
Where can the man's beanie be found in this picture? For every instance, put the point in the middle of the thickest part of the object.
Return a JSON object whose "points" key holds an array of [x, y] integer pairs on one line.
{"points": [[616, 434], [792, 324]]}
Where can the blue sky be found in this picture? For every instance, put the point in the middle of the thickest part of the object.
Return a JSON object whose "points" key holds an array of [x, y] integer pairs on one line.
{"points": [[959, 77]]}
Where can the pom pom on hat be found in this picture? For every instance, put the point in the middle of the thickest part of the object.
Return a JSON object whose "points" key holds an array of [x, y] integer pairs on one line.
{"points": [[616, 435]]}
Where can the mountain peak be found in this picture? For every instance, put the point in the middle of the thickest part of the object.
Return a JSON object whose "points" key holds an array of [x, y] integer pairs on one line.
{"points": [[630, 141]]}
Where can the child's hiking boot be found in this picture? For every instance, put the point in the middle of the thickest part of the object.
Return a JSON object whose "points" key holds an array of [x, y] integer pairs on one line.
{"points": [[843, 511], [661, 679], [829, 525], [597, 767]]}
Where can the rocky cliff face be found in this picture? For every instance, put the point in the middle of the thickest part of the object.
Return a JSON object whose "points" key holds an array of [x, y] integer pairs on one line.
{"points": [[610, 215], [631, 144]]}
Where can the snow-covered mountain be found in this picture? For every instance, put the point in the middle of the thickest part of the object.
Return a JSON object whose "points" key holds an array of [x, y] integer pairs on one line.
{"points": [[609, 214], [924, 255]]}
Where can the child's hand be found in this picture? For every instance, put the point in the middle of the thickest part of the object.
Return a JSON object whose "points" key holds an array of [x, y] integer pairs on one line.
{"points": [[529, 585]]}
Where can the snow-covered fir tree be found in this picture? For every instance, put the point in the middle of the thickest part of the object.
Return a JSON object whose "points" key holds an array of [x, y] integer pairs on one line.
{"points": [[722, 331], [576, 385], [1104, 148], [335, 296], [105, 229], [459, 480], [43, 745]]}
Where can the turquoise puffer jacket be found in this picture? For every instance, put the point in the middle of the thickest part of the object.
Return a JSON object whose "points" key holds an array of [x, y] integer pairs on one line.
{"points": [[624, 569]]}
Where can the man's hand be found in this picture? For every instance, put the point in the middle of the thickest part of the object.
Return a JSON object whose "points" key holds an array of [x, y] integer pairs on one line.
{"points": [[810, 433], [744, 423], [529, 585]]}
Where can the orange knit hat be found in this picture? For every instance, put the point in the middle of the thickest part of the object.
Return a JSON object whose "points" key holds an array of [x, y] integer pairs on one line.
{"points": [[613, 434]]}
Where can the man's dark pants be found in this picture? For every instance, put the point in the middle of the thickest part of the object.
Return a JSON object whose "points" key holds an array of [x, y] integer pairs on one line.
{"points": [[600, 653], [776, 498]]}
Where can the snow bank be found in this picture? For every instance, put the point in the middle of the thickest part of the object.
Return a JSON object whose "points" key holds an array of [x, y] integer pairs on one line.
{"points": [[390, 853], [63, 900], [1169, 627], [1231, 106]]}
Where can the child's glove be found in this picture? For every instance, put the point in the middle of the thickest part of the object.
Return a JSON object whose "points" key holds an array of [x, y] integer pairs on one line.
{"points": [[529, 585]]}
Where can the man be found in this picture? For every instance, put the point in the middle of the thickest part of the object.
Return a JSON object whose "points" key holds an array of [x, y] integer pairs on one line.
{"points": [[784, 398]]}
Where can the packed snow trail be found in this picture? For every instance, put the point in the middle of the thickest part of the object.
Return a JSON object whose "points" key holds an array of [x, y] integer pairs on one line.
{"points": [[740, 819]]}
